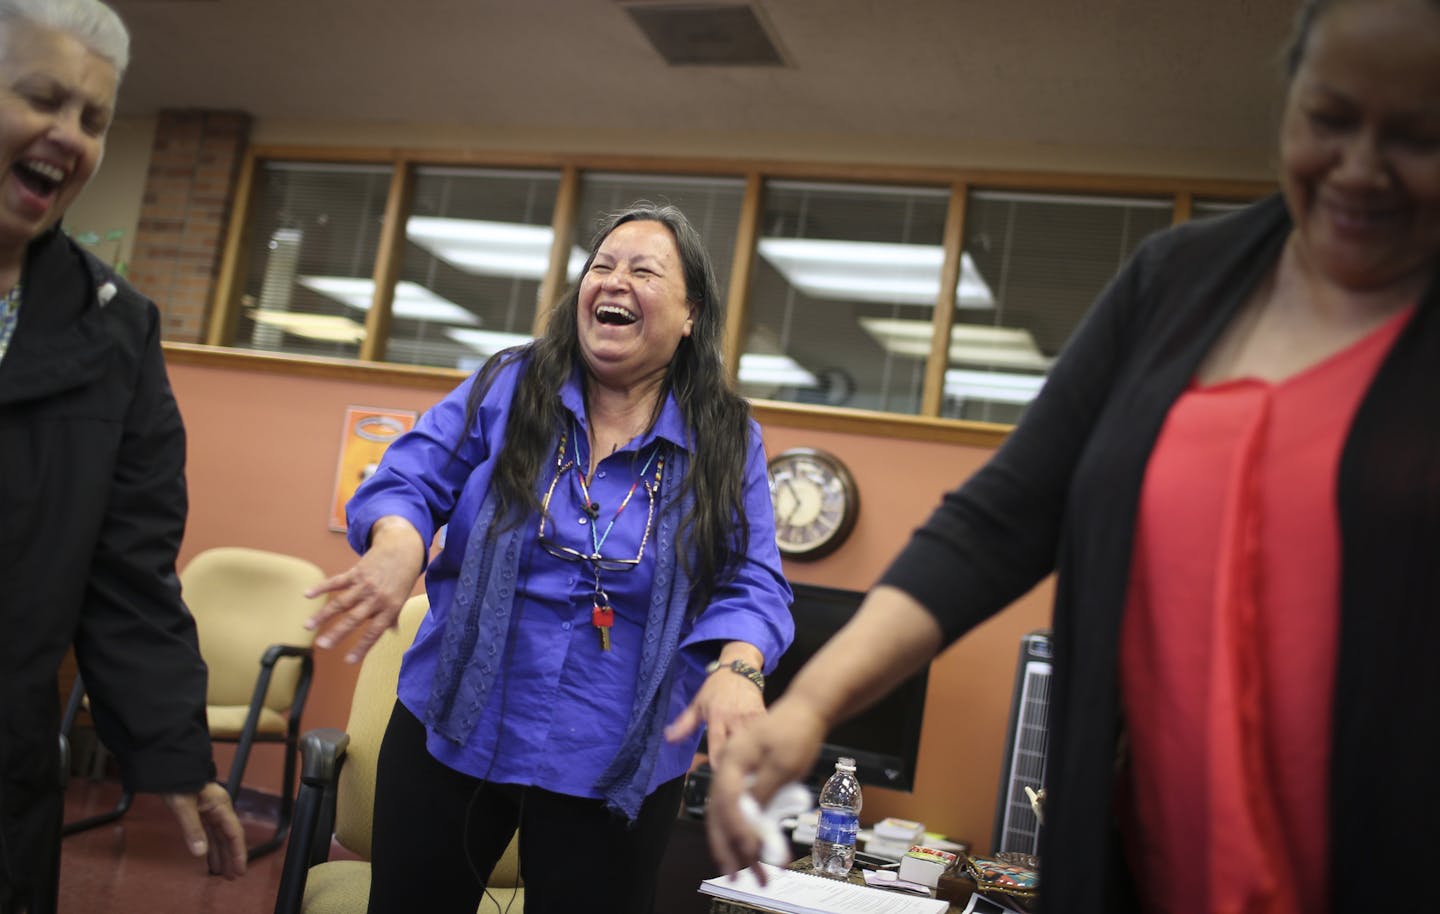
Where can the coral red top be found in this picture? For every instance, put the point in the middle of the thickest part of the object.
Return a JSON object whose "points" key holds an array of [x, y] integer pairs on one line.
{"points": [[1228, 643]]}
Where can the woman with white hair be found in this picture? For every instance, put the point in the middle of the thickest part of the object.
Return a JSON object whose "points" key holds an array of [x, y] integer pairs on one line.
{"points": [[92, 485]]}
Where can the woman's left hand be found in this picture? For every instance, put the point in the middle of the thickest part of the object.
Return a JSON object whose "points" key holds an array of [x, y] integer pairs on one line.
{"points": [[725, 703], [211, 829]]}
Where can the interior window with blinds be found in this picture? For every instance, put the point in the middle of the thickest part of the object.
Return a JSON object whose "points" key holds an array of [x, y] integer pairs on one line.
{"points": [[477, 245], [312, 244], [1032, 266], [844, 276]]}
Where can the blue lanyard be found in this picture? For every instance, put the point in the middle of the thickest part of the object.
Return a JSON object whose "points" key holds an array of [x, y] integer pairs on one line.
{"points": [[598, 539]]}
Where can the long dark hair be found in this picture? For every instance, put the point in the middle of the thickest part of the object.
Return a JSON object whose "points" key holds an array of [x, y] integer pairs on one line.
{"points": [[716, 417]]}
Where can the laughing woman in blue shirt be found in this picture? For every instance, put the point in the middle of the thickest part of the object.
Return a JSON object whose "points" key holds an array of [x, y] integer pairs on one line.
{"points": [[610, 567]]}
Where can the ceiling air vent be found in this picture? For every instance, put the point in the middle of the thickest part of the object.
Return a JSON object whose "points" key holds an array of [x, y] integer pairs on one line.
{"points": [[708, 34]]}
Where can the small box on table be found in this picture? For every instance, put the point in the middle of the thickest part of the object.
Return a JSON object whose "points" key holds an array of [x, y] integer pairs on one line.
{"points": [[925, 865]]}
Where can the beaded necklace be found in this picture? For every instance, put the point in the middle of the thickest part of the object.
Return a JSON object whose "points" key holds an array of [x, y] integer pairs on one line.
{"points": [[602, 615], [9, 316]]}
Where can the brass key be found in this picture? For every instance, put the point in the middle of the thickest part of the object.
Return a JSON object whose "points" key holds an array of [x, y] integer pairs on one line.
{"points": [[603, 617]]}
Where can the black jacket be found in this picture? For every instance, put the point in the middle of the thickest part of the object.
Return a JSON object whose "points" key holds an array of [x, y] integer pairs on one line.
{"points": [[1062, 493], [92, 509]]}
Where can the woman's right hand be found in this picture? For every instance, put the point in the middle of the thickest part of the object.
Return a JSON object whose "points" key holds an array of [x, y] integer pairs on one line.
{"points": [[890, 637], [369, 595], [759, 759]]}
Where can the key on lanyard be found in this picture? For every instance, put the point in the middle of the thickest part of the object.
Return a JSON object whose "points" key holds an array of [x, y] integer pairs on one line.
{"points": [[603, 617]]}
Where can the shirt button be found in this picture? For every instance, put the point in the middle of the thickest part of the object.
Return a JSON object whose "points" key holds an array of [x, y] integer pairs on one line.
{"points": [[581, 521], [565, 626], [601, 474]]}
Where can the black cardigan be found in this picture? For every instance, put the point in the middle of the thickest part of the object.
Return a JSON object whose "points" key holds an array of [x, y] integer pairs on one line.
{"points": [[92, 509], [1062, 494]]}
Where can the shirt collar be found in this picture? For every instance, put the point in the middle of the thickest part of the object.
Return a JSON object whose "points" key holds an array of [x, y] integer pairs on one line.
{"points": [[669, 426]]}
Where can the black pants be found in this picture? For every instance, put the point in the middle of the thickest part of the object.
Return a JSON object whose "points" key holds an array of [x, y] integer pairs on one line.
{"points": [[438, 834]]}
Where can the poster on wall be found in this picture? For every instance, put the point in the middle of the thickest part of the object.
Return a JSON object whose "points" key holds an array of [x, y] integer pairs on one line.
{"points": [[366, 435]]}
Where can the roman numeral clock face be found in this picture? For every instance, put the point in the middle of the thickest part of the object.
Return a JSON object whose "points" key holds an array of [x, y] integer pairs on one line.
{"points": [[815, 502]]}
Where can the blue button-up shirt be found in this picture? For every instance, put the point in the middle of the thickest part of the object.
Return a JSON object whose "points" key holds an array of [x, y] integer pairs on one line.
{"points": [[557, 713]]}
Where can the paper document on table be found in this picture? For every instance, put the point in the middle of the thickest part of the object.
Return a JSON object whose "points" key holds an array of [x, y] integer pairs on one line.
{"points": [[794, 892], [979, 904]]}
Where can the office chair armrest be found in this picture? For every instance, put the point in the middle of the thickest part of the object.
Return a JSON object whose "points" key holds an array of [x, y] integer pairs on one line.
{"points": [[322, 755], [275, 651], [268, 660], [322, 752], [267, 668]]}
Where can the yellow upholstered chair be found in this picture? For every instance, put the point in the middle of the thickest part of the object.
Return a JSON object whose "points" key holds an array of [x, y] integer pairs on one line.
{"points": [[250, 608], [337, 787]]}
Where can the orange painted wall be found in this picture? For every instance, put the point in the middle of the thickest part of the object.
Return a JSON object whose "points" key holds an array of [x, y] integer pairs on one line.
{"points": [[263, 447]]}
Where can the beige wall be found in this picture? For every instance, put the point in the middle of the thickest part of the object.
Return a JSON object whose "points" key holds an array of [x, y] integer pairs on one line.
{"points": [[262, 458], [112, 201]]}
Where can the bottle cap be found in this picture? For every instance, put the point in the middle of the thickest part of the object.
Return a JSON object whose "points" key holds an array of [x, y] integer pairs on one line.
{"points": [[845, 764]]}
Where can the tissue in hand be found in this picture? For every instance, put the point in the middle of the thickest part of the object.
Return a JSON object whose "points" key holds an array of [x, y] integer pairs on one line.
{"points": [[790, 800]]}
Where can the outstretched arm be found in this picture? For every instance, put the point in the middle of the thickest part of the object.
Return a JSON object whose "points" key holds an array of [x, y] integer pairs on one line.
{"points": [[726, 701], [370, 593], [890, 637]]}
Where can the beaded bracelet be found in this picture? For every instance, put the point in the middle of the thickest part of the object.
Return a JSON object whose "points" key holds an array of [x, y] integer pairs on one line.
{"points": [[742, 668]]}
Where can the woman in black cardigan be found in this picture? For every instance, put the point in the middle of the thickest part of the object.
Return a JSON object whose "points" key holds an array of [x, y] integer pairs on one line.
{"points": [[1235, 469], [92, 485]]}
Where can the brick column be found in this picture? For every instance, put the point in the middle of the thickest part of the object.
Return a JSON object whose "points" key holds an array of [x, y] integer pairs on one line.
{"points": [[188, 194]]}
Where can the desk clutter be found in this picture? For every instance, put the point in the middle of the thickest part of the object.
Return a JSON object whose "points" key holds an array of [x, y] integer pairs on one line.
{"points": [[1013, 875], [887, 840], [975, 885], [923, 865], [876, 884], [799, 891], [892, 838], [900, 868]]}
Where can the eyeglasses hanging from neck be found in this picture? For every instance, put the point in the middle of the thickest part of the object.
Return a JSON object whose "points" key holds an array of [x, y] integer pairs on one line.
{"points": [[594, 558], [602, 615]]}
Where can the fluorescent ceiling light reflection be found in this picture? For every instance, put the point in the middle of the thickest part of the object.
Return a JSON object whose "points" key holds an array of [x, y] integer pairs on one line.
{"points": [[907, 274], [487, 248], [1008, 347], [329, 328], [777, 370], [412, 301], [486, 342], [995, 386]]}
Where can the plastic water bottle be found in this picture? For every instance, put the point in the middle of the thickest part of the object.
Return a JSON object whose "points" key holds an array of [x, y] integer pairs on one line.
{"points": [[834, 850]]}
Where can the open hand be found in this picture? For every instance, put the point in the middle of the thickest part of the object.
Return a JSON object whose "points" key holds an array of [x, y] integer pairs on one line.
{"points": [[725, 703], [758, 759], [370, 593]]}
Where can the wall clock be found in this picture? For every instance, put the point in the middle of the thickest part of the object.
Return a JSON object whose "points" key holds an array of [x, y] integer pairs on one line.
{"points": [[815, 500]]}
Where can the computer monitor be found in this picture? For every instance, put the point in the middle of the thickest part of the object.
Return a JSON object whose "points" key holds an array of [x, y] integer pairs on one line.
{"points": [[883, 739]]}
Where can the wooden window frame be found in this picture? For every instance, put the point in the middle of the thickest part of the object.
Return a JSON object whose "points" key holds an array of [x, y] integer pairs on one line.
{"points": [[223, 316]]}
